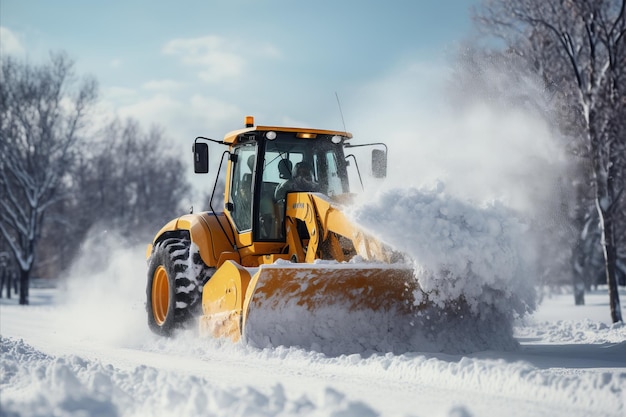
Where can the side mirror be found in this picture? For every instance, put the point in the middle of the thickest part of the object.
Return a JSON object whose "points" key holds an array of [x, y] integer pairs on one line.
{"points": [[379, 163], [200, 158]]}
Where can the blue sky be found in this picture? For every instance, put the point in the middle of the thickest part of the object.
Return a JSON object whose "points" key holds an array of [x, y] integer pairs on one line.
{"points": [[280, 60], [198, 67]]}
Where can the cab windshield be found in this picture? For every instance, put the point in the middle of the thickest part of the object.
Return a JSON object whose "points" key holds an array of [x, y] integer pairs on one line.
{"points": [[284, 159]]}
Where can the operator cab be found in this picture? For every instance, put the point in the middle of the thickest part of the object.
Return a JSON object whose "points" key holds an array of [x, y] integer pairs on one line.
{"points": [[266, 160]]}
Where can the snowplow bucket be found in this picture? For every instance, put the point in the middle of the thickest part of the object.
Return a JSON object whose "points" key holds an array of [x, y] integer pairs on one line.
{"points": [[331, 308]]}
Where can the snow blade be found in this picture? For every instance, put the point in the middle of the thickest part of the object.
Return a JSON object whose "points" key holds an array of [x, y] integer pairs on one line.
{"points": [[332, 308]]}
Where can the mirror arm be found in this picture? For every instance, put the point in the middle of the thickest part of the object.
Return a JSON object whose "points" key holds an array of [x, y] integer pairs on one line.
{"points": [[368, 144], [221, 142]]}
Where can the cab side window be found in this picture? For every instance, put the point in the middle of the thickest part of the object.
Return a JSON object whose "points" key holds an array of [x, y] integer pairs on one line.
{"points": [[334, 183], [242, 188]]}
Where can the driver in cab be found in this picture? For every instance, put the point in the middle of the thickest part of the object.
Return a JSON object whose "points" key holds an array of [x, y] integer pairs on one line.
{"points": [[301, 180]]}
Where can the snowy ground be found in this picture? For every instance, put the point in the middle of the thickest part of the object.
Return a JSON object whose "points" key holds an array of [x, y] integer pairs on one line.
{"points": [[62, 360], [84, 348]]}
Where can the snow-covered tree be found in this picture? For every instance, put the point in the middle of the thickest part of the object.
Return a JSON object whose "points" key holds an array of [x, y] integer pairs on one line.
{"points": [[43, 110], [579, 48]]}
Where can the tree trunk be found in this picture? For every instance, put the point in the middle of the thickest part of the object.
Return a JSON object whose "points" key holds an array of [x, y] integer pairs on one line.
{"points": [[578, 282], [24, 284], [8, 280], [605, 201], [3, 276], [610, 262]]}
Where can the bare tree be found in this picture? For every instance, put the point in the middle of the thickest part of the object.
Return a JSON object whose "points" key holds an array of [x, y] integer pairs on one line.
{"points": [[126, 180], [42, 111], [579, 47], [132, 180]]}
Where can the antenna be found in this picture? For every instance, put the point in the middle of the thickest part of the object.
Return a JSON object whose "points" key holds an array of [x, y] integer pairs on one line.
{"points": [[341, 113]]}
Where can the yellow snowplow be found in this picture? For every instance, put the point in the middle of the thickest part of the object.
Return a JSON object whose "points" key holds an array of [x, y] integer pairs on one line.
{"points": [[281, 264]]}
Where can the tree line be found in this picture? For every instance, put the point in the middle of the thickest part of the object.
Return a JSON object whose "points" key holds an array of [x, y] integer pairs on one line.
{"points": [[62, 177]]}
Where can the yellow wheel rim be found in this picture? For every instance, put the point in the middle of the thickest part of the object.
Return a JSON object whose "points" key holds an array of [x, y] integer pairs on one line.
{"points": [[160, 295]]}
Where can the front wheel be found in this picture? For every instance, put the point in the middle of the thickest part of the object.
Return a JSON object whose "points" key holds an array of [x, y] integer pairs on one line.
{"points": [[172, 291]]}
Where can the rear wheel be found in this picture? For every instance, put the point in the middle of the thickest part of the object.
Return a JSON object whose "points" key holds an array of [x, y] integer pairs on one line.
{"points": [[173, 294]]}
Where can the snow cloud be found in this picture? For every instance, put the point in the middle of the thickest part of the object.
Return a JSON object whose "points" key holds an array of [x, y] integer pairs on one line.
{"points": [[459, 250], [105, 291], [481, 151], [471, 186]]}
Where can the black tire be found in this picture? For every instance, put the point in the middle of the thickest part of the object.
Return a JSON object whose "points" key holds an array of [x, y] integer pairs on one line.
{"points": [[173, 294]]}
